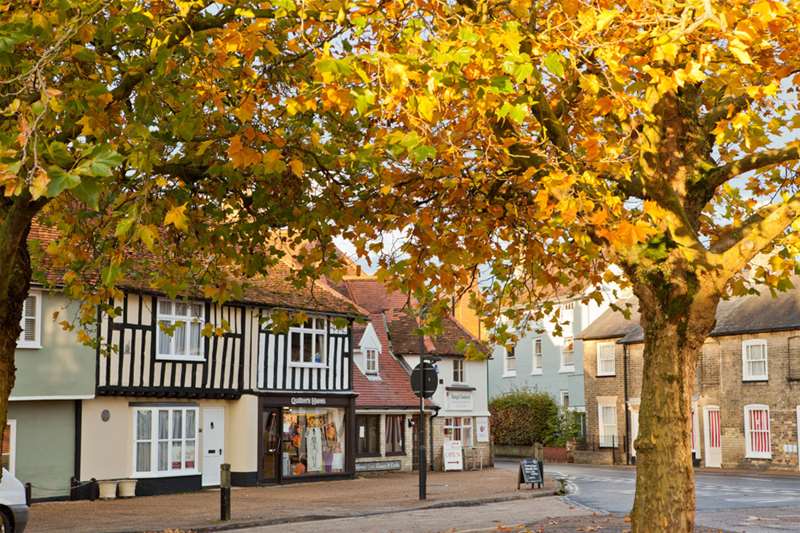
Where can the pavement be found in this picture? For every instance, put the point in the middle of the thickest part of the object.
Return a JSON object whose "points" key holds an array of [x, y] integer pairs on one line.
{"points": [[368, 495]]}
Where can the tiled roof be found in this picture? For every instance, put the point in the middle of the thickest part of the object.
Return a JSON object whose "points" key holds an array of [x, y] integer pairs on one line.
{"points": [[612, 324], [405, 340], [736, 316], [273, 289], [374, 296], [394, 387]]}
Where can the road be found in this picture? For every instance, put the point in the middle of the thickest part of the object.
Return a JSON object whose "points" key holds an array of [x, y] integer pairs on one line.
{"points": [[735, 502]]}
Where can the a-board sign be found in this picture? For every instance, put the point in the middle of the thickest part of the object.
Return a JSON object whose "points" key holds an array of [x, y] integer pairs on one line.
{"points": [[453, 457], [531, 471]]}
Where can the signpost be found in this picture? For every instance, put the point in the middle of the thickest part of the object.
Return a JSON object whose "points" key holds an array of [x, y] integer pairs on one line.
{"points": [[424, 380], [530, 471]]}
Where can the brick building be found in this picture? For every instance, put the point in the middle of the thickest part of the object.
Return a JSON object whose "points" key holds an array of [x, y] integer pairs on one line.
{"points": [[745, 401]]}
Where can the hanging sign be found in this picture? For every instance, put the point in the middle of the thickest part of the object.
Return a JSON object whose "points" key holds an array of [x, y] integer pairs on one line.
{"points": [[483, 428]]}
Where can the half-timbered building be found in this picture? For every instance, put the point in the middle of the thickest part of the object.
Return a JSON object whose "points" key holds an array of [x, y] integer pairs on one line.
{"points": [[184, 385]]}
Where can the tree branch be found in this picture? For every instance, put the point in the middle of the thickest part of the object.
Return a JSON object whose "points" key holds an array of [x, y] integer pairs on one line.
{"points": [[720, 175], [755, 234]]}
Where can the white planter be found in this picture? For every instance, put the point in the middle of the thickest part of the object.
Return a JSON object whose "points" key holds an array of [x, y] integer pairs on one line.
{"points": [[108, 489], [127, 488]]}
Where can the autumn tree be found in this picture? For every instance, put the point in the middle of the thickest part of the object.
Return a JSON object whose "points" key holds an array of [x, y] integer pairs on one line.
{"points": [[540, 143], [172, 130]]}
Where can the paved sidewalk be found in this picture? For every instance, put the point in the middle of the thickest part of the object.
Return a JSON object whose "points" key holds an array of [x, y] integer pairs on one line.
{"points": [[364, 495]]}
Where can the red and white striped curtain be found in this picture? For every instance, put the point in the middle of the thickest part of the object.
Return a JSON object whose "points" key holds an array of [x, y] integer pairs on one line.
{"points": [[714, 429], [759, 430]]}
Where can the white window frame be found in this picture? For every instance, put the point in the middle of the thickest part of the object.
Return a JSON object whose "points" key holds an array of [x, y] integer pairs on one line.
{"points": [[567, 342], [462, 424], [561, 395], [507, 372], [746, 374], [12, 444], [459, 370], [600, 346], [36, 343], [749, 452], [313, 330], [604, 438], [154, 440], [189, 318], [367, 368], [537, 357]]}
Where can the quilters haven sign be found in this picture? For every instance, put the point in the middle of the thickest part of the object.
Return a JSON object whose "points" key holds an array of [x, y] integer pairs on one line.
{"points": [[307, 401]]}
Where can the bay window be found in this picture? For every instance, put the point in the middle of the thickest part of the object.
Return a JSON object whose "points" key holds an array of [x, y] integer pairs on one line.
{"points": [[179, 332], [165, 440]]}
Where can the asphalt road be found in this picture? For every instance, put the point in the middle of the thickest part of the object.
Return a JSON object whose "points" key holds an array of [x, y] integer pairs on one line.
{"points": [[734, 502]]}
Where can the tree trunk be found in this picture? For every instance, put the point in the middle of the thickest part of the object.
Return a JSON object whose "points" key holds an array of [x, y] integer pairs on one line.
{"points": [[676, 320], [18, 266]]}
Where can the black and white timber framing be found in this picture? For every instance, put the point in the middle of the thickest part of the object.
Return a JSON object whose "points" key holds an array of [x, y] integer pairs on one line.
{"points": [[247, 358]]}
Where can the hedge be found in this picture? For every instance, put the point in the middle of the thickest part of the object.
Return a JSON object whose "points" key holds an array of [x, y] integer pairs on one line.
{"points": [[523, 417]]}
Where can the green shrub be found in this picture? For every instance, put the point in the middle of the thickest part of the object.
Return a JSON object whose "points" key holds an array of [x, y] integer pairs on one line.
{"points": [[523, 417]]}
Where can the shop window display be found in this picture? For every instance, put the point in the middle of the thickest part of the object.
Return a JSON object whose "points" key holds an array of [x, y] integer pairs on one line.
{"points": [[313, 441]]}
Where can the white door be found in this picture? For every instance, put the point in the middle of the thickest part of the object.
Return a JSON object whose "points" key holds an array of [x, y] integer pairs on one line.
{"points": [[213, 440], [634, 430], [713, 436]]}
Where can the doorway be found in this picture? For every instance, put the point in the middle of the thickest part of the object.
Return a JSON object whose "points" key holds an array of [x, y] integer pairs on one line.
{"points": [[712, 436], [213, 441], [270, 445], [634, 431]]}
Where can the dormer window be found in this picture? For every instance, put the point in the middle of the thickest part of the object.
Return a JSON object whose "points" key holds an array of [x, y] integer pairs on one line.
{"points": [[371, 357]]}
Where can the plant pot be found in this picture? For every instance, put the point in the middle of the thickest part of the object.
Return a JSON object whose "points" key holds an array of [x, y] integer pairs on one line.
{"points": [[127, 488], [108, 489]]}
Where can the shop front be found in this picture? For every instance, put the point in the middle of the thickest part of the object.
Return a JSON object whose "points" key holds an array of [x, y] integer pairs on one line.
{"points": [[306, 437]]}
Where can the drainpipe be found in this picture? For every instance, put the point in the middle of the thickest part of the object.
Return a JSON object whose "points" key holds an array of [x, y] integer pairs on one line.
{"points": [[434, 415], [627, 411]]}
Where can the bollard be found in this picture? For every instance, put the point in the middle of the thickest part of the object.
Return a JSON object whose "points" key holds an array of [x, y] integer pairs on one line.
{"points": [[28, 490], [225, 492]]}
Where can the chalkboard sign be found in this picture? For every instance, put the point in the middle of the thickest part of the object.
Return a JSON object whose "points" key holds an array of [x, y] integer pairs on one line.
{"points": [[531, 471]]}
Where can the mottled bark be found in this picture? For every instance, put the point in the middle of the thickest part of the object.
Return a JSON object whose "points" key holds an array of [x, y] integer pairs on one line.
{"points": [[676, 318], [15, 266]]}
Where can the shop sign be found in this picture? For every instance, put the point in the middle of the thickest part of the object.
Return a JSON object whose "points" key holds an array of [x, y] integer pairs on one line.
{"points": [[453, 458], [459, 400], [483, 428], [299, 400], [374, 466]]}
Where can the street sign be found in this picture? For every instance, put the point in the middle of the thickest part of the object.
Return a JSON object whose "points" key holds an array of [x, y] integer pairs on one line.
{"points": [[431, 379], [530, 472]]}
